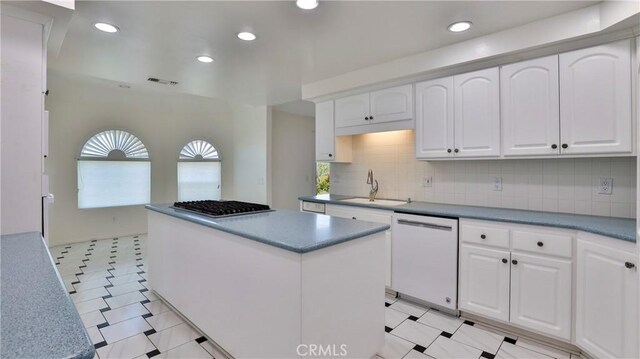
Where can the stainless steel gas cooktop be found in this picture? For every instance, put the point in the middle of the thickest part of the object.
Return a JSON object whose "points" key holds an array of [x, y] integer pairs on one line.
{"points": [[219, 209]]}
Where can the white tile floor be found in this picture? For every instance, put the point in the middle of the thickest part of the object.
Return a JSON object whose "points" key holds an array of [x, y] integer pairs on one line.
{"points": [[108, 283]]}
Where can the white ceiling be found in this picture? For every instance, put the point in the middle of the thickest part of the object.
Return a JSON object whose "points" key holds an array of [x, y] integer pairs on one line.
{"points": [[162, 39]]}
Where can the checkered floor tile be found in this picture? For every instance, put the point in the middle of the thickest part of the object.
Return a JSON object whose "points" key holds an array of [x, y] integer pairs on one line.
{"points": [[107, 281]]}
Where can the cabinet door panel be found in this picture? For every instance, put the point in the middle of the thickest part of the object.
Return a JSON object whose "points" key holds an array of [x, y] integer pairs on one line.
{"points": [[541, 294], [606, 301], [595, 99], [352, 111], [325, 137], [484, 281], [434, 118], [530, 107], [393, 104], [477, 113]]}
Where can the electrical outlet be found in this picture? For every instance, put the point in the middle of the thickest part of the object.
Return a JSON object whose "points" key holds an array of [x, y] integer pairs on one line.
{"points": [[497, 184], [606, 185], [427, 181]]}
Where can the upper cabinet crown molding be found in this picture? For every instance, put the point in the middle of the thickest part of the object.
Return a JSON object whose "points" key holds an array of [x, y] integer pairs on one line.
{"points": [[385, 110], [595, 99]]}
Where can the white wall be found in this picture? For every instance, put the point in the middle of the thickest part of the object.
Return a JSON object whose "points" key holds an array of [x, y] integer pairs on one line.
{"points": [[251, 131], [21, 125], [293, 159], [80, 107], [553, 185]]}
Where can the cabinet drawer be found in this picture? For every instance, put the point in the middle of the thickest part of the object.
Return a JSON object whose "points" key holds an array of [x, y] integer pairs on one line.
{"points": [[543, 243], [486, 235]]}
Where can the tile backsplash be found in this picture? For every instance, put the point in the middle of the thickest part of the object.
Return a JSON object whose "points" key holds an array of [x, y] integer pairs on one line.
{"points": [[553, 185]]}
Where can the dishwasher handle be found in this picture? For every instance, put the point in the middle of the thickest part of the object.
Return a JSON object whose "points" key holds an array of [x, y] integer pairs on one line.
{"points": [[425, 225]]}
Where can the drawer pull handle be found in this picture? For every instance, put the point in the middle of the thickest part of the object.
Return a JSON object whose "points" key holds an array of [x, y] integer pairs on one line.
{"points": [[514, 262], [353, 218], [540, 244], [483, 236], [504, 260], [424, 225], [629, 265]]}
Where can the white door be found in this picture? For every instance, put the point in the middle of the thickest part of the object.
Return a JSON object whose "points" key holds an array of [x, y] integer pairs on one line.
{"points": [[541, 294], [392, 104], [477, 113], [325, 137], [434, 118], [352, 111], [595, 99], [484, 281], [606, 301], [530, 103]]}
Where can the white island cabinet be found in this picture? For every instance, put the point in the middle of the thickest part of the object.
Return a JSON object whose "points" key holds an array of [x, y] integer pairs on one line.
{"points": [[271, 285]]}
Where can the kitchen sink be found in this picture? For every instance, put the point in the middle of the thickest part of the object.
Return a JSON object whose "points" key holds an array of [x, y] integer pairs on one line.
{"points": [[379, 202]]}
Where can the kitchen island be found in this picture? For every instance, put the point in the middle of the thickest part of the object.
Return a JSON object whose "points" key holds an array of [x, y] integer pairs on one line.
{"points": [[278, 284]]}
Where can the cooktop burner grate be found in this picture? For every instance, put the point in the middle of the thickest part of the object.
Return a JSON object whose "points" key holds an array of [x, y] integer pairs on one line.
{"points": [[221, 208]]}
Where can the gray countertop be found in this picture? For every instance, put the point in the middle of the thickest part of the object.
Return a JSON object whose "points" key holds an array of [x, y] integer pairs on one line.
{"points": [[620, 228], [291, 230], [37, 317]]}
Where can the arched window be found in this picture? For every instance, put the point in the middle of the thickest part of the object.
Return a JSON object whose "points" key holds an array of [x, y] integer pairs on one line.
{"points": [[199, 172], [113, 170]]}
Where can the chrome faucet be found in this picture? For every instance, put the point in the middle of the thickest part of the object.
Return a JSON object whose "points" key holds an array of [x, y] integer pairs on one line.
{"points": [[374, 186]]}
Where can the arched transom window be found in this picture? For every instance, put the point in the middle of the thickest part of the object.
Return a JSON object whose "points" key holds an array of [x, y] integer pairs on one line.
{"points": [[199, 172], [113, 170]]}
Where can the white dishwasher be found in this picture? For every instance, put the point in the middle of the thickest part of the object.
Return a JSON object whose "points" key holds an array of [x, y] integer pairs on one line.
{"points": [[425, 258]]}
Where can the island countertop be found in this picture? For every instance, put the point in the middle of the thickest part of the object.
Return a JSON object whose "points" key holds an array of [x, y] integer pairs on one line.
{"points": [[38, 318], [619, 228], [291, 230]]}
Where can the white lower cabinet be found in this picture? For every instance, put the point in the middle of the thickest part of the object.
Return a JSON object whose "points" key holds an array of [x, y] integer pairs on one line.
{"points": [[484, 281], [370, 215], [541, 293], [607, 297], [517, 274]]}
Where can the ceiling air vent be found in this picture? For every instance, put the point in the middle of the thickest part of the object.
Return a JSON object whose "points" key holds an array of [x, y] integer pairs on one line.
{"points": [[162, 82]]}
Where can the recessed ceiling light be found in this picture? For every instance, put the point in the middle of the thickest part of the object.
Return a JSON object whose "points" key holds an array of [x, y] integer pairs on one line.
{"points": [[460, 26], [307, 4], [205, 59], [246, 36], [102, 26]]}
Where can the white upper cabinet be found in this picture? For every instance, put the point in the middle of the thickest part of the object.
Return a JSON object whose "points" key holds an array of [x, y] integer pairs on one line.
{"points": [[434, 118], [385, 110], [330, 148], [607, 298], [352, 111], [595, 99], [325, 137], [389, 105], [530, 107], [477, 113], [459, 116]]}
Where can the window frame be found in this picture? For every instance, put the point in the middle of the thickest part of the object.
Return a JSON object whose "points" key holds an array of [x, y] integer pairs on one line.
{"points": [[80, 157], [180, 159]]}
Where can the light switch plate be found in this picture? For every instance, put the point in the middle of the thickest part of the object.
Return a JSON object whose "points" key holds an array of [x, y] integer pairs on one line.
{"points": [[427, 181], [497, 183], [605, 186]]}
